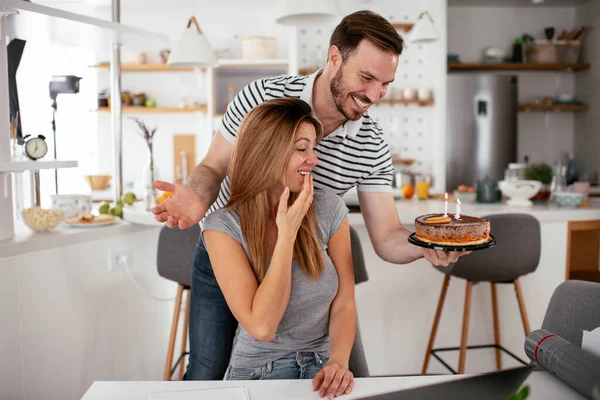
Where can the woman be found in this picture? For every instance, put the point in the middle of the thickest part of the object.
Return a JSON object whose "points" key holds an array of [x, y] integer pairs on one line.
{"points": [[281, 255]]}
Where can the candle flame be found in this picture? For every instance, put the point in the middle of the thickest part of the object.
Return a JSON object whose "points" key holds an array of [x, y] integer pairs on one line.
{"points": [[458, 201], [446, 196]]}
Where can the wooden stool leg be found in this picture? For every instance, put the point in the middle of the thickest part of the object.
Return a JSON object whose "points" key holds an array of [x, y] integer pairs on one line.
{"points": [[465, 328], [436, 321], [184, 334], [174, 323], [522, 308], [496, 327]]}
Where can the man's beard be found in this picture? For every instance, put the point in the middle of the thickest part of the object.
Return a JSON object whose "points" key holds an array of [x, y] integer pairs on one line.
{"points": [[338, 90]]}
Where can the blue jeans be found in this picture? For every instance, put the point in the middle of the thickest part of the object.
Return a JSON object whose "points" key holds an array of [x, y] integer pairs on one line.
{"points": [[212, 325], [298, 365]]}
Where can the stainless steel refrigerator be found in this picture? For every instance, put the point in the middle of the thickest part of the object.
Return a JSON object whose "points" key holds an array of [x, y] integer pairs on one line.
{"points": [[482, 127]]}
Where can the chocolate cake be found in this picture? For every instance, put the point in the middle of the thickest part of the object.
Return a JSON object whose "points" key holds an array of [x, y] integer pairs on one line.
{"points": [[450, 231]]}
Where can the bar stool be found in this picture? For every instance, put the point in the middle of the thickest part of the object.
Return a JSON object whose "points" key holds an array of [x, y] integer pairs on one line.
{"points": [[516, 254], [174, 260]]}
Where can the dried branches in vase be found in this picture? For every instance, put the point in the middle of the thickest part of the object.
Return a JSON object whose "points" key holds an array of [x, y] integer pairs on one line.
{"points": [[148, 135]]}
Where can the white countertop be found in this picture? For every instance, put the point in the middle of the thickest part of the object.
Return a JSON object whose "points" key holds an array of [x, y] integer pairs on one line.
{"points": [[543, 385], [27, 241], [409, 210]]}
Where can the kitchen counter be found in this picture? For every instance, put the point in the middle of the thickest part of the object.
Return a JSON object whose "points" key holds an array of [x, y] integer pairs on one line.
{"points": [[27, 241]]}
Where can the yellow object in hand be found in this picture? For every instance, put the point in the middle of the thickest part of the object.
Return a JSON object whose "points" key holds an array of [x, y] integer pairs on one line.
{"points": [[163, 197]]}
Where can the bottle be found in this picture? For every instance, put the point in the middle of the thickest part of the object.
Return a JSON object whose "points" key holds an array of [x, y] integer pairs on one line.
{"points": [[571, 171]]}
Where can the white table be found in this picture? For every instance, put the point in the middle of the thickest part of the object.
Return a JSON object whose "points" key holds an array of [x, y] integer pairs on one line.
{"points": [[543, 386]]}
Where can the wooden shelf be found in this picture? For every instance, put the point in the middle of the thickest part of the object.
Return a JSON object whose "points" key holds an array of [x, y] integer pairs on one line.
{"points": [[51, 25], [463, 66], [145, 68], [30, 165], [240, 62], [131, 109], [553, 107], [421, 103], [307, 71]]}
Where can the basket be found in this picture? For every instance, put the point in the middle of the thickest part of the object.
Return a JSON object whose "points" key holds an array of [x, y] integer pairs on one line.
{"points": [[557, 51], [259, 48], [98, 182]]}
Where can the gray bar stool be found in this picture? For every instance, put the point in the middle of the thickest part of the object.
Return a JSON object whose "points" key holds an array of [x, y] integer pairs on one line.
{"points": [[516, 254], [174, 261]]}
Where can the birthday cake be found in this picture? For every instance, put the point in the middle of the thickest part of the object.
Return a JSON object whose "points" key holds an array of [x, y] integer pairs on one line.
{"points": [[448, 230]]}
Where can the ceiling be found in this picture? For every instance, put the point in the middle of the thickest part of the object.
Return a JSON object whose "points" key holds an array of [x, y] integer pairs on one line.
{"points": [[512, 3]]}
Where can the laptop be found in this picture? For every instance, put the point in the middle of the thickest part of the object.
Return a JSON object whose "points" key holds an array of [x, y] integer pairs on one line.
{"points": [[498, 385]]}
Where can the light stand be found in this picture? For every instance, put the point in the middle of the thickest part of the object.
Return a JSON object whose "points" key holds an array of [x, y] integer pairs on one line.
{"points": [[60, 84]]}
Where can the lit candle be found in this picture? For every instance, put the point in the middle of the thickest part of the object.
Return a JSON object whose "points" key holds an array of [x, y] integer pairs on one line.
{"points": [[457, 215], [446, 205]]}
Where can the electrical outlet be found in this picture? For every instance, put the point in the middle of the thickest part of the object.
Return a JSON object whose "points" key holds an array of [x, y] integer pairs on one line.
{"points": [[118, 260]]}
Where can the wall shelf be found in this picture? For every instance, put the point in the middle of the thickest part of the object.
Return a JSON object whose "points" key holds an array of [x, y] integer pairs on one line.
{"points": [[132, 109], [29, 165], [145, 68], [463, 66], [553, 107], [42, 23], [307, 71]]}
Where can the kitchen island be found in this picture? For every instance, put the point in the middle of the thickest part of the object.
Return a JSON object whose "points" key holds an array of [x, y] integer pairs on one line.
{"points": [[69, 320]]}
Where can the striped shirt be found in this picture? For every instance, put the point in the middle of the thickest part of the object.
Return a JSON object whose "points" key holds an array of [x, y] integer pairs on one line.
{"points": [[355, 154]]}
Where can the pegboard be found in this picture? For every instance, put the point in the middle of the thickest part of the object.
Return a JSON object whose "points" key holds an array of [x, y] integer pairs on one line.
{"points": [[410, 130]]}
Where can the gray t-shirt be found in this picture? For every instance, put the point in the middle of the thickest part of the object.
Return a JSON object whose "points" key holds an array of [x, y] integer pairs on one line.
{"points": [[305, 322]]}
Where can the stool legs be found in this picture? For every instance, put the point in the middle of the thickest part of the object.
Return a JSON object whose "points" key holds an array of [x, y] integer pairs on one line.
{"points": [[465, 328], [184, 333], [496, 326], [436, 322], [522, 307], [174, 323]]}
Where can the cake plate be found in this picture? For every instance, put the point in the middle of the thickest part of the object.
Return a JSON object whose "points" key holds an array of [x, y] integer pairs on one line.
{"points": [[472, 247]]}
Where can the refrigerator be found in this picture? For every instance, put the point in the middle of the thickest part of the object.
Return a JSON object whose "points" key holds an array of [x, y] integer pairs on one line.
{"points": [[482, 127]]}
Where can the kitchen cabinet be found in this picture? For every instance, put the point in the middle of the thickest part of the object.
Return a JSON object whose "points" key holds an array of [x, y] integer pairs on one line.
{"points": [[583, 250]]}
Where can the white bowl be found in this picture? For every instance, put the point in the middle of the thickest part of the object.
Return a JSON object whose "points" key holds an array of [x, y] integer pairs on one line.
{"points": [[568, 199], [465, 197], [520, 191]]}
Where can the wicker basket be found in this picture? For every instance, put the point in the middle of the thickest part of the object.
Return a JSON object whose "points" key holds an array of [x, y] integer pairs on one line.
{"points": [[557, 51], [259, 48]]}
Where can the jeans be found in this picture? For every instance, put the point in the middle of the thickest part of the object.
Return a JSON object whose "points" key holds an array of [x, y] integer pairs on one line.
{"points": [[298, 365], [212, 325]]}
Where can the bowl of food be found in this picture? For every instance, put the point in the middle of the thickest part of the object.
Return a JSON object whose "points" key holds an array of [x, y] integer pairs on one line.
{"points": [[466, 194], [40, 219], [568, 199], [519, 191]]}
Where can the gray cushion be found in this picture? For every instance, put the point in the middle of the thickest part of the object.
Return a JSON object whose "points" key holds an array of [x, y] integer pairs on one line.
{"points": [[516, 253], [175, 255], [358, 259], [574, 307]]}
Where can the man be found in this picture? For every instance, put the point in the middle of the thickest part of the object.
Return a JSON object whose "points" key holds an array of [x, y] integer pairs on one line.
{"points": [[361, 63]]}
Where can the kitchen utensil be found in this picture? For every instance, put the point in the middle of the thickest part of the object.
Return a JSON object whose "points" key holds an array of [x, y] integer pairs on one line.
{"points": [[520, 192], [487, 191]]}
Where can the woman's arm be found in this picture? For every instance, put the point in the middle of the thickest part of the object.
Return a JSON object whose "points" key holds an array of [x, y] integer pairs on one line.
{"points": [[258, 308], [335, 379]]}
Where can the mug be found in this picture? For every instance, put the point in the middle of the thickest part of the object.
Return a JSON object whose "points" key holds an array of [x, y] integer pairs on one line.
{"points": [[424, 94], [409, 94], [583, 188], [72, 204]]}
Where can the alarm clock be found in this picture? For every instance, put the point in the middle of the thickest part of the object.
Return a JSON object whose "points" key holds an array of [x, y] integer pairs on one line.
{"points": [[35, 147]]}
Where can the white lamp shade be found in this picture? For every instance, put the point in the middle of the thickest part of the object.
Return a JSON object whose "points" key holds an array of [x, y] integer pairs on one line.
{"points": [[192, 49], [302, 12], [424, 30]]}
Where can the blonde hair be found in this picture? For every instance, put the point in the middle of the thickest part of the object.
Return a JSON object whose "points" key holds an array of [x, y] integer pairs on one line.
{"points": [[264, 145]]}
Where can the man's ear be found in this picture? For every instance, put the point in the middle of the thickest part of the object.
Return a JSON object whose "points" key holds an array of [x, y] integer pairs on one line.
{"points": [[334, 56]]}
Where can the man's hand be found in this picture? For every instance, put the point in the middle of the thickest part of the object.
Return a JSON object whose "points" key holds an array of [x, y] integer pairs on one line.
{"points": [[333, 380], [443, 258], [183, 208]]}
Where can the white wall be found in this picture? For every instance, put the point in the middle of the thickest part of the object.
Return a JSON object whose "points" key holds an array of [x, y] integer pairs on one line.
{"points": [[542, 136], [587, 140]]}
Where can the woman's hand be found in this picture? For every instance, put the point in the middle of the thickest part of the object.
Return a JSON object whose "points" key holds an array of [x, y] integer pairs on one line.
{"points": [[333, 380], [289, 218]]}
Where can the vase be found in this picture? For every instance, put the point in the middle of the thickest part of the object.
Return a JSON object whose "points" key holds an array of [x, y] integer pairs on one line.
{"points": [[149, 175]]}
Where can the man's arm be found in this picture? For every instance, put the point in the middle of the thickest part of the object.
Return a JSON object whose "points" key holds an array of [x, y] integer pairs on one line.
{"points": [[207, 176], [387, 234]]}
